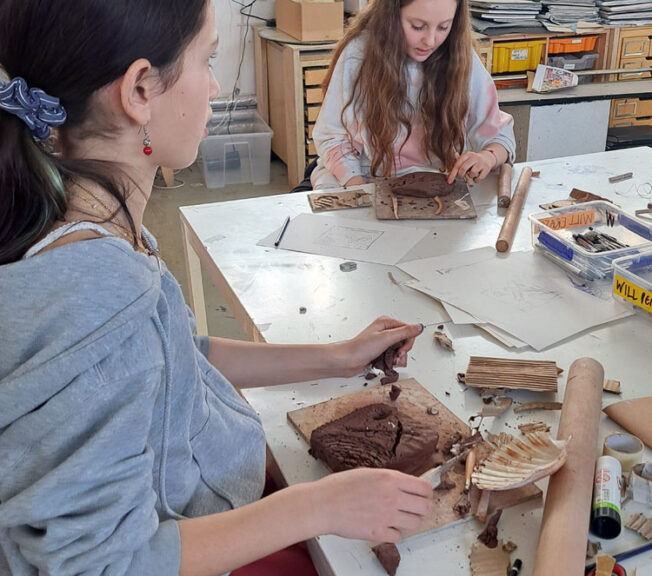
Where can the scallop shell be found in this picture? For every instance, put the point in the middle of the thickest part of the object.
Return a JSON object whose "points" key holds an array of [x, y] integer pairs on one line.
{"points": [[521, 461]]}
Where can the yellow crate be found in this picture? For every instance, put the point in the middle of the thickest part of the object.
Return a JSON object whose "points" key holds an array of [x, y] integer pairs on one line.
{"points": [[517, 56]]}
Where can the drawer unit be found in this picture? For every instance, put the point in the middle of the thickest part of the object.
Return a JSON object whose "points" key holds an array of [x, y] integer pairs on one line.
{"points": [[631, 112], [634, 50]]}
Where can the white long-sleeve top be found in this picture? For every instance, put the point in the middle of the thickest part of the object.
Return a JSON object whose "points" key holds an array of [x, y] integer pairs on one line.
{"points": [[344, 155]]}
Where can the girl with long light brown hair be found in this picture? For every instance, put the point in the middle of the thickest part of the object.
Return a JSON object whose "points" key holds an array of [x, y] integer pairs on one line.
{"points": [[406, 90]]}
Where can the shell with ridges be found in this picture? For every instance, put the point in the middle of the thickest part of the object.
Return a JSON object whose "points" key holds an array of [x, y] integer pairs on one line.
{"points": [[521, 461]]}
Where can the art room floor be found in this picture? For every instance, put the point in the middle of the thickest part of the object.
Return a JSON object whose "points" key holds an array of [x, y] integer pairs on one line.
{"points": [[162, 219]]}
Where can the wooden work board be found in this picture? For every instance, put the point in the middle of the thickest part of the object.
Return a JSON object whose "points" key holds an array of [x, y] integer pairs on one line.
{"points": [[421, 196], [414, 401]]}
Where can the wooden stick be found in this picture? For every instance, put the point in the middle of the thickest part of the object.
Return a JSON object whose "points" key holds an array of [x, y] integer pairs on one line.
{"points": [[504, 185], [566, 514], [514, 211]]}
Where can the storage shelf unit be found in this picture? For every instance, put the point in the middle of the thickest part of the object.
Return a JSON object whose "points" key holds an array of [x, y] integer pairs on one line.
{"points": [[632, 48], [289, 75]]}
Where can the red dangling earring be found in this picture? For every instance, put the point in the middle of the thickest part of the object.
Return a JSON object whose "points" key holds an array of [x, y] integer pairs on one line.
{"points": [[147, 149]]}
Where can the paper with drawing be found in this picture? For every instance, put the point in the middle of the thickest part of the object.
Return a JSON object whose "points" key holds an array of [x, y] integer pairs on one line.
{"points": [[524, 294], [361, 240]]}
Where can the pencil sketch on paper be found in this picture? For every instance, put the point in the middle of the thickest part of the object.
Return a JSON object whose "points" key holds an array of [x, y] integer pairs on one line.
{"points": [[347, 237], [523, 295]]}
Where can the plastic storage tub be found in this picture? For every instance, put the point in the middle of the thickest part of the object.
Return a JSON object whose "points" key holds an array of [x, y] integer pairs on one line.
{"points": [[565, 45], [517, 56], [633, 280], [574, 61], [237, 149], [553, 233]]}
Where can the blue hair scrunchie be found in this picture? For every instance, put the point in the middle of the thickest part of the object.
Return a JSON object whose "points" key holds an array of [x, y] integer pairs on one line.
{"points": [[33, 106]]}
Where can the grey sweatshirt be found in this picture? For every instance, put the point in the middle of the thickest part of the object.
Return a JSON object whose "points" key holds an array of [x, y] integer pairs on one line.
{"points": [[113, 425]]}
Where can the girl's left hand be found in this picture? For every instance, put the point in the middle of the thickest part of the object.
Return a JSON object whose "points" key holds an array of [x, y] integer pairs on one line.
{"points": [[356, 354], [472, 165]]}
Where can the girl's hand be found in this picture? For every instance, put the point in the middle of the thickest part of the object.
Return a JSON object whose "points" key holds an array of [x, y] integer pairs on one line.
{"points": [[473, 165], [356, 354], [372, 504]]}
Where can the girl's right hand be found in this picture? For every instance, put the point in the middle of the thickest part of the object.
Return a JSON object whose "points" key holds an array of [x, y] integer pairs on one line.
{"points": [[373, 504]]}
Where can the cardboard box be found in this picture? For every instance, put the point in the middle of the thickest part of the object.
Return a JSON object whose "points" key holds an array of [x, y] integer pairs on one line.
{"points": [[310, 21]]}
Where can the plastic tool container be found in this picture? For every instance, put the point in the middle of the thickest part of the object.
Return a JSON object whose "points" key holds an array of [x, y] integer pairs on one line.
{"points": [[517, 56], [573, 61], [237, 149], [633, 280], [553, 233], [565, 45]]}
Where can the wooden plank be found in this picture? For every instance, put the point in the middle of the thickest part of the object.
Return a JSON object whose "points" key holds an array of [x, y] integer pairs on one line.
{"points": [[276, 109], [414, 402], [312, 112], [294, 127], [260, 67]]}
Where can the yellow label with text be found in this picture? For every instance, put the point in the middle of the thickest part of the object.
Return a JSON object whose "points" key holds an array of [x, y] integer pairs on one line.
{"points": [[635, 294], [570, 220]]}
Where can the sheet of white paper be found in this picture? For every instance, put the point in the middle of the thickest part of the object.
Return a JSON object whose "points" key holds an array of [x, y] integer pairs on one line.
{"points": [[361, 240], [459, 316], [526, 295], [427, 268]]}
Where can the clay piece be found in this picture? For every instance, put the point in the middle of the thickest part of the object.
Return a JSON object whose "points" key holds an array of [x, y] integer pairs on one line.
{"points": [[488, 561], [489, 536], [641, 524], [389, 556], [445, 484], [604, 565], [395, 392], [370, 375], [538, 406], [509, 546], [448, 445], [443, 341], [592, 549], [639, 483], [385, 362], [496, 406], [463, 505], [520, 462], [612, 386], [374, 436], [533, 427]]}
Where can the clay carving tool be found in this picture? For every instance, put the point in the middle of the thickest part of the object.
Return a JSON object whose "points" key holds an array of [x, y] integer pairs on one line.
{"points": [[514, 211], [434, 475], [504, 185]]}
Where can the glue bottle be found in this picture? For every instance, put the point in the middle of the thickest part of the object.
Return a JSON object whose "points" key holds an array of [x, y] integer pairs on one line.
{"points": [[605, 512]]}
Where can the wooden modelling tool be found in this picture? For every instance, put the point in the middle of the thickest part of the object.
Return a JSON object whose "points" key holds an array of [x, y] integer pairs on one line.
{"points": [[565, 522], [514, 211], [504, 185]]}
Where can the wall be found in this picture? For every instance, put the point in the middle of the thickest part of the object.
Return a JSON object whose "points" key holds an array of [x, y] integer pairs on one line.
{"points": [[231, 30]]}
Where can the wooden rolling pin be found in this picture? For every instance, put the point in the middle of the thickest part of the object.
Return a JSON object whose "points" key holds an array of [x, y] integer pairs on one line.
{"points": [[504, 185], [566, 514], [514, 211]]}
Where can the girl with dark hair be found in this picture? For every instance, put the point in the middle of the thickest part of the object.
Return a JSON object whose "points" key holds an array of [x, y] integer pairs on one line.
{"points": [[124, 447], [406, 90]]}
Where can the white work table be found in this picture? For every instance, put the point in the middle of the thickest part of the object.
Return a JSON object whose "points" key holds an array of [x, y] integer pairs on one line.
{"points": [[266, 287]]}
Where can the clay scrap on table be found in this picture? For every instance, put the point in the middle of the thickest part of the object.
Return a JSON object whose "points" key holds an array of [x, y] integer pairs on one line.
{"points": [[530, 427], [488, 561], [489, 536], [374, 436], [443, 341], [389, 556], [641, 524], [385, 362], [521, 461], [527, 406], [612, 386]]}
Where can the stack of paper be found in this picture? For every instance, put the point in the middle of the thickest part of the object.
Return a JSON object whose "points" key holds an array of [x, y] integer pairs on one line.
{"points": [[504, 16], [625, 12], [569, 12], [523, 299]]}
